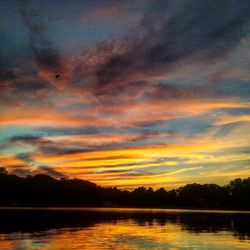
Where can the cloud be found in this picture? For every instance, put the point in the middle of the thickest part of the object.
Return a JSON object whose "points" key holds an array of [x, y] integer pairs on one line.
{"points": [[52, 172], [57, 131], [169, 36], [62, 150], [112, 171], [26, 157], [44, 146], [6, 74], [45, 54], [30, 139], [49, 59], [24, 170]]}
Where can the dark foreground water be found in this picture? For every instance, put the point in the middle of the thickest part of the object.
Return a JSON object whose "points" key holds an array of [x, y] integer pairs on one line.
{"points": [[49, 229]]}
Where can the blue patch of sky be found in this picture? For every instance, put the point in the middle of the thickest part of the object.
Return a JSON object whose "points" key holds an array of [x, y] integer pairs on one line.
{"points": [[238, 88], [6, 132], [234, 111], [14, 38]]}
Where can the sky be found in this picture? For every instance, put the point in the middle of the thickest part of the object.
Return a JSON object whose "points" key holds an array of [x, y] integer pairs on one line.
{"points": [[126, 93]]}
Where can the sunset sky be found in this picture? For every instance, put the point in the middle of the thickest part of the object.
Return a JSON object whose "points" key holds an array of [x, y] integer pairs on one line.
{"points": [[126, 93]]}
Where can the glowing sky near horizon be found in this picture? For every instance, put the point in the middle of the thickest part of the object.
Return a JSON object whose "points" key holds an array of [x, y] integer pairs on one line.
{"points": [[149, 93]]}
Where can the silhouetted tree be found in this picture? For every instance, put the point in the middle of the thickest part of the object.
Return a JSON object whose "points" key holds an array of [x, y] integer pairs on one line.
{"points": [[44, 190], [3, 171]]}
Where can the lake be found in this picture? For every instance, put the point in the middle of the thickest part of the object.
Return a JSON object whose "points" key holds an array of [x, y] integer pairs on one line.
{"points": [[130, 229]]}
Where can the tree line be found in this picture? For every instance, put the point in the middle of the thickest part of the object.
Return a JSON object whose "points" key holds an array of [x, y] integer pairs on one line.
{"points": [[44, 190]]}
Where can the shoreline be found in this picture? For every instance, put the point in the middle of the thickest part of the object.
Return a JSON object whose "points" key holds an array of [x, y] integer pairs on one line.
{"points": [[124, 209]]}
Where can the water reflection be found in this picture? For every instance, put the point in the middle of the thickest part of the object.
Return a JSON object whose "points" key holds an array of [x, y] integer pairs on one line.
{"points": [[121, 229]]}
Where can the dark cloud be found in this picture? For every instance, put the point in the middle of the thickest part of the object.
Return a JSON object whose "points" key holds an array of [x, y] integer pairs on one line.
{"points": [[61, 150], [116, 157], [144, 134], [49, 59], [44, 146], [6, 75], [31, 86], [20, 88], [20, 170], [26, 157], [45, 54], [163, 91], [31, 139], [170, 33], [112, 171], [52, 172], [112, 166], [144, 128], [23, 170]]}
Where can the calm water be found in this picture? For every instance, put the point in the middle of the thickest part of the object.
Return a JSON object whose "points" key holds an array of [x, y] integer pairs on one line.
{"points": [[47, 229]]}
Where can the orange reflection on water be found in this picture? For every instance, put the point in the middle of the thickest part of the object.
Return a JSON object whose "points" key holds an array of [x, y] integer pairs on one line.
{"points": [[124, 234]]}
